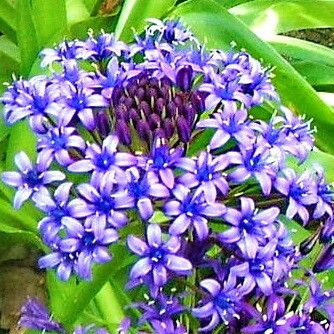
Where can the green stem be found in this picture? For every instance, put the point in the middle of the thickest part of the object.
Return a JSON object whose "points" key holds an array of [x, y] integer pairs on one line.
{"points": [[111, 311]]}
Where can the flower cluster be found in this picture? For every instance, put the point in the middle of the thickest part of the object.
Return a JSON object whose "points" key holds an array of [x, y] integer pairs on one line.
{"points": [[213, 215]]}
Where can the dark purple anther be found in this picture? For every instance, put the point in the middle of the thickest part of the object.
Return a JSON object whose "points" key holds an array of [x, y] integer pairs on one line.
{"points": [[154, 121], [145, 107], [184, 78], [160, 105], [183, 129], [171, 109]]}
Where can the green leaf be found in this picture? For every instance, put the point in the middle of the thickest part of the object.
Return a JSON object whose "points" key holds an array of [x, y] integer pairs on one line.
{"points": [[76, 11], [49, 18], [8, 19], [212, 23], [328, 98], [107, 23], [316, 74], [271, 17], [68, 299], [26, 36], [303, 50], [135, 12]]}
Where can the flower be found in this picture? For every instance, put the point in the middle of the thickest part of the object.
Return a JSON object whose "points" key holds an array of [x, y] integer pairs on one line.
{"points": [[143, 188], [56, 207], [191, 209], [35, 316], [205, 173], [229, 123], [249, 222], [300, 191], [79, 249], [221, 306], [30, 178], [104, 159], [157, 257]]}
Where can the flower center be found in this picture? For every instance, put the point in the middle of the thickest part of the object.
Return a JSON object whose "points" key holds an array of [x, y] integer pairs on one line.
{"points": [[148, 108], [32, 179], [157, 254]]}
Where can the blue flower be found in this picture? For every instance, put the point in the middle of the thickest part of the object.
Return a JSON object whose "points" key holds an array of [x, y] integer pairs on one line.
{"points": [[300, 191], [157, 257], [58, 141], [143, 188], [30, 178], [229, 123], [101, 203], [191, 210], [205, 173], [56, 208], [35, 316], [221, 306], [79, 249], [249, 222], [104, 159]]}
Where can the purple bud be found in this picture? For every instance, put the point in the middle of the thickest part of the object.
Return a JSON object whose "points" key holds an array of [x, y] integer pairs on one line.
{"points": [[184, 78], [116, 95], [102, 124], [183, 129], [168, 127], [133, 116], [140, 93], [143, 130], [325, 260], [198, 100], [132, 89], [154, 121], [123, 132], [159, 133], [143, 81], [129, 102], [121, 111], [160, 105], [190, 114], [178, 100], [171, 109], [144, 106], [151, 92]]}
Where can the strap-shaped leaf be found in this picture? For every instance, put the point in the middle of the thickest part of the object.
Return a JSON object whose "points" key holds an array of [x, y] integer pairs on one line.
{"points": [[135, 12], [49, 18], [271, 17], [212, 23], [26, 36], [8, 19]]}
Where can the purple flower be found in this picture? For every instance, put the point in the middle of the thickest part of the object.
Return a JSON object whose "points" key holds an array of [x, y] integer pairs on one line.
{"points": [[167, 327], [257, 267], [275, 320], [142, 188], [249, 222], [256, 162], [79, 101], [162, 160], [229, 123], [35, 316], [205, 173], [30, 178], [162, 308], [101, 47], [157, 257], [30, 98], [170, 31], [300, 191], [190, 210], [327, 231], [319, 299], [79, 249], [221, 306], [104, 159], [56, 207], [64, 51], [325, 193], [58, 141], [101, 204]]}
